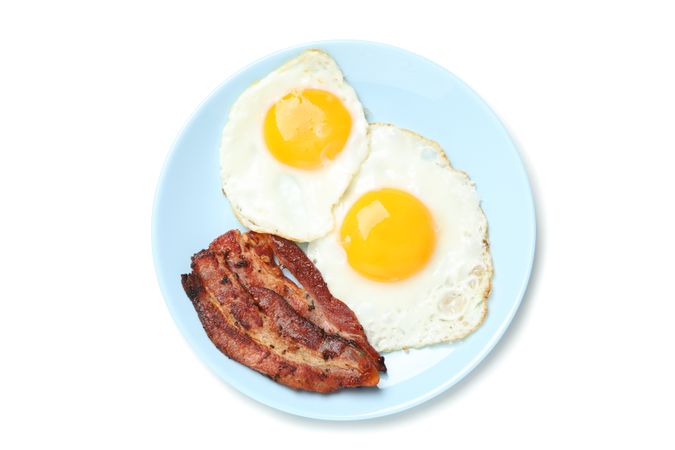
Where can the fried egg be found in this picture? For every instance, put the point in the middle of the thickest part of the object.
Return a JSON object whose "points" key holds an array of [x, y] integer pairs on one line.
{"points": [[409, 253], [292, 144]]}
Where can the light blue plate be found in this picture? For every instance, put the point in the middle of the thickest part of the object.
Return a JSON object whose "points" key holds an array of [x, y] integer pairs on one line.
{"points": [[394, 86]]}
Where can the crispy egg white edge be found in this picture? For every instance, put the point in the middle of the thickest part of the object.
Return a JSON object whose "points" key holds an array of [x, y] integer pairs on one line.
{"points": [[476, 310], [360, 131]]}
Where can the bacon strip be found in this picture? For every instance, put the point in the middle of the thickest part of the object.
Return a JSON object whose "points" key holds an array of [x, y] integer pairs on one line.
{"points": [[256, 324], [328, 312]]}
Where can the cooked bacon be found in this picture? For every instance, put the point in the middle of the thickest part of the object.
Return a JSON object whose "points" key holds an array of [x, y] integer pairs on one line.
{"points": [[257, 316]]}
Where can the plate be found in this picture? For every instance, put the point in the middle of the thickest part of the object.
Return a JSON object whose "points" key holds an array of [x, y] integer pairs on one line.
{"points": [[394, 86]]}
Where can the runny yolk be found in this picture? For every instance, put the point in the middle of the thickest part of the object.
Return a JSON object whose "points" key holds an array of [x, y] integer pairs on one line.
{"points": [[388, 235], [306, 129]]}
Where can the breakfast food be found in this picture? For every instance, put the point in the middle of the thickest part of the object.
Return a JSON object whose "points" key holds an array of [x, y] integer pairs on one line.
{"points": [[303, 338], [409, 253], [395, 231], [291, 145]]}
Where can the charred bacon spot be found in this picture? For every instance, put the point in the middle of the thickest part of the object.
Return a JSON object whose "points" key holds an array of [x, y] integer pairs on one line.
{"points": [[327, 354], [225, 280], [288, 368], [241, 263], [191, 285]]}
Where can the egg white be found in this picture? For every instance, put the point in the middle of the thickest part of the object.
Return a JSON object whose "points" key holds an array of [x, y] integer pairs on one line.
{"points": [[447, 299], [267, 195]]}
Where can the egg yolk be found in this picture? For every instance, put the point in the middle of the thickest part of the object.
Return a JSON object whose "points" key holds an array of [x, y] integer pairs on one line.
{"points": [[305, 129], [388, 235]]}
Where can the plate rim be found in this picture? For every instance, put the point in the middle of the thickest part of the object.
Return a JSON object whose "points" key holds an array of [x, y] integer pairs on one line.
{"points": [[401, 406]]}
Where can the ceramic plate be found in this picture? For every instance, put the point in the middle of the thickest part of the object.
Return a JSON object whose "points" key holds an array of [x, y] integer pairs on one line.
{"points": [[394, 86]]}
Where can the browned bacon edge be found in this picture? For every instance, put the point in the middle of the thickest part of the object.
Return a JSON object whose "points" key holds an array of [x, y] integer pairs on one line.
{"points": [[257, 316]]}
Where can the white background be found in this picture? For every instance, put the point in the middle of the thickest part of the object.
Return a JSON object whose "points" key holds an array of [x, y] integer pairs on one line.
{"points": [[92, 97]]}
